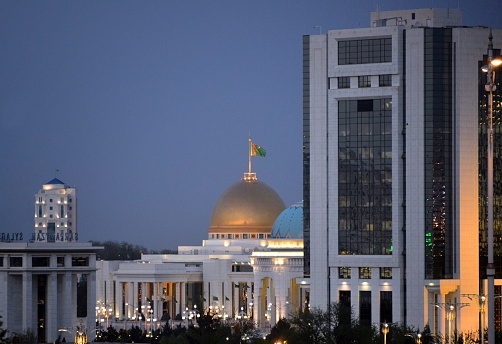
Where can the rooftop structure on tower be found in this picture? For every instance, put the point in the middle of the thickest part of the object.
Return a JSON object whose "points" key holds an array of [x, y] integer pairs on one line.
{"points": [[56, 213]]}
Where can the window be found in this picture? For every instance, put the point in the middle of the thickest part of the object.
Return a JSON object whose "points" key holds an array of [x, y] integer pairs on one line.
{"points": [[62, 211], [1, 261], [50, 216], [50, 208], [230, 236], [39, 262], [385, 80], [364, 81], [244, 236], [386, 306], [242, 268], [80, 261], [50, 200], [365, 307], [385, 273], [16, 262], [344, 298], [260, 236], [344, 82], [60, 262], [365, 163], [344, 273], [413, 16], [365, 51], [39, 211], [364, 273]]}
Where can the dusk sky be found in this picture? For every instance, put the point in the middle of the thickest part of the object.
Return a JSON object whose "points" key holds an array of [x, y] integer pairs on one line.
{"points": [[146, 106]]}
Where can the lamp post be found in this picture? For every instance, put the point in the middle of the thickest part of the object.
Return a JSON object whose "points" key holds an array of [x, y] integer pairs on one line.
{"points": [[481, 302], [490, 268], [385, 330]]}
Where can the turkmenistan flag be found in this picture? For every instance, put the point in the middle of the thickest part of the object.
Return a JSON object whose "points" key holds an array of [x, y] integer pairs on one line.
{"points": [[203, 299], [257, 150], [215, 298]]}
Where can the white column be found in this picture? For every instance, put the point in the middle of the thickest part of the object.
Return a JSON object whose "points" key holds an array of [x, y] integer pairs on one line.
{"points": [[91, 299], [441, 316], [182, 296], [134, 298], [68, 305], [257, 304], [51, 310], [118, 300], [130, 299], [27, 301], [156, 300]]}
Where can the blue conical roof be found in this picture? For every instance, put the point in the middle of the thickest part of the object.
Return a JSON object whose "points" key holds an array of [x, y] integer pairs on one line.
{"points": [[55, 181]]}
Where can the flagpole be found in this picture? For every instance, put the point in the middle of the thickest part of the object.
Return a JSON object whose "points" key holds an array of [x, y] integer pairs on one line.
{"points": [[249, 153]]}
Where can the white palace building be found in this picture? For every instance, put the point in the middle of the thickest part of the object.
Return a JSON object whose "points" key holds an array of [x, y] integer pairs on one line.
{"points": [[250, 267]]}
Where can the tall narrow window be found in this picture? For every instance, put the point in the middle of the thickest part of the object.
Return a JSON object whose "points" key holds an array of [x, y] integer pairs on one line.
{"points": [[365, 307], [386, 306]]}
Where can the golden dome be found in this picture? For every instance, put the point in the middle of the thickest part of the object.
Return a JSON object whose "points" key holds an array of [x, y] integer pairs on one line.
{"points": [[247, 205]]}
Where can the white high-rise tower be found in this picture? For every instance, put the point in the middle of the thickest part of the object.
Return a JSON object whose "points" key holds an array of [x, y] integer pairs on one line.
{"points": [[56, 213]]}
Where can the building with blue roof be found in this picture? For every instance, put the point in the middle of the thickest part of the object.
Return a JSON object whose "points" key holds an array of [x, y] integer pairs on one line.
{"points": [[56, 213]]}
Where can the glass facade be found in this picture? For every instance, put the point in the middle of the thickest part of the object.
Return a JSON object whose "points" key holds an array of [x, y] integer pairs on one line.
{"points": [[365, 177], [306, 156], [438, 162], [497, 171], [365, 51]]}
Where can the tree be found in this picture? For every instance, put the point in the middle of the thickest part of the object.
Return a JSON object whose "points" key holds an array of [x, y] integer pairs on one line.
{"points": [[3, 334]]}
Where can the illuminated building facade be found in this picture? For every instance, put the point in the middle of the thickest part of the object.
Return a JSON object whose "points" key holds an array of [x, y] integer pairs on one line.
{"points": [[395, 168], [56, 213], [47, 287], [250, 267]]}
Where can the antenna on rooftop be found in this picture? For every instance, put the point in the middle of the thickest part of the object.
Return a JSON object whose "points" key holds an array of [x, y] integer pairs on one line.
{"points": [[318, 27]]}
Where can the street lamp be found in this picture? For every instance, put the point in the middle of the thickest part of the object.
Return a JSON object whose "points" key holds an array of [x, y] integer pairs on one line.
{"points": [[385, 330], [489, 69], [481, 301]]}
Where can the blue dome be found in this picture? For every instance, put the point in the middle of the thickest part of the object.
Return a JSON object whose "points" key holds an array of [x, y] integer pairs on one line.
{"points": [[289, 225]]}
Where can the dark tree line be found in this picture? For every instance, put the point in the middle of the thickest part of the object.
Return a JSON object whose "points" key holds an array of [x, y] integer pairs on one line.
{"points": [[114, 250]]}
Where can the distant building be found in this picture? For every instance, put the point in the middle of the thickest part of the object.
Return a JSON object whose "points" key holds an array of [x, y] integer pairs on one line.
{"points": [[395, 168], [48, 285], [56, 213], [249, 268]]}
